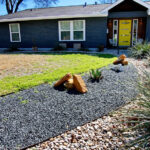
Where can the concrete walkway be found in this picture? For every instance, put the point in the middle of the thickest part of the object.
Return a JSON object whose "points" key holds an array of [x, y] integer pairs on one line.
{"points": [[116, 52]]}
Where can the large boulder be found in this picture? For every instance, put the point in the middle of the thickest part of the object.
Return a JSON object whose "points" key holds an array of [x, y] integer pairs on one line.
{"points": [[121, 60], [122, 57], [117, 62], [79, 84], [125, 63], [63, 80], [69, 84]]}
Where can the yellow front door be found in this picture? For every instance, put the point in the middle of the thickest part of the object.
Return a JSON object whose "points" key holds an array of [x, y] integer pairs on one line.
{"points": [[125, 32]]}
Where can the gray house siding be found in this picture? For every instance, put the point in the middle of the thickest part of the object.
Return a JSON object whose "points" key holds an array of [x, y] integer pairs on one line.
{"points": [[148, 29], [129, 14], [45, 34]]}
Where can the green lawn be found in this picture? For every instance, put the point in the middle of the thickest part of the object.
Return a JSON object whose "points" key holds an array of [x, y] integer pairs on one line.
{"points": [[51, 68]]}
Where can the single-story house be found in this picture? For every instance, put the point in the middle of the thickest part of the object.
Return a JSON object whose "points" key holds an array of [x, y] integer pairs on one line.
{"points": [[120, 24]]}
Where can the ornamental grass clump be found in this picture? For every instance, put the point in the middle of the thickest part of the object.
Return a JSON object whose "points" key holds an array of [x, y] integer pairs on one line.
{"points": [[148, 60], [142, 115], [140, 51], [96, 75]]}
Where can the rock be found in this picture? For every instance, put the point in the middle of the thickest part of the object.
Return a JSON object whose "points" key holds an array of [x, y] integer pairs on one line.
{"points": [[125, 63], [109, 134], [121, 60], [69, 84], [73, 138], [122, 57], [65, 143], [117, 62], [79, 84], [62, 80]]}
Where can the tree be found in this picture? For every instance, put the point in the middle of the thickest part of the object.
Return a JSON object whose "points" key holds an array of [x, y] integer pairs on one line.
{"points": [[12, 6]]}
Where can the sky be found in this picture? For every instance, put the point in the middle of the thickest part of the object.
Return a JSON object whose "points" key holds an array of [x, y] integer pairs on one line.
{"points": [[30, 4]]}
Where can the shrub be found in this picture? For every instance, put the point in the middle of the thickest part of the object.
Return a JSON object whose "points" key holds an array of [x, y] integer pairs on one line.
{"points": [[59, 48], [140, 51], [100, 48], [12, 49], [84, 49], [95, 75], [148, 60], [143, 115]]}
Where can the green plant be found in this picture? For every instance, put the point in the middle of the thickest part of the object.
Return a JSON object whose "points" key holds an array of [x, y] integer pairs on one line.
{"points": [[12, 48], [142, 115], [73, 63], [84, 49], [148, 60], [59, 48], [140, 51], [95, 75], [100, 48], [25, 102]]}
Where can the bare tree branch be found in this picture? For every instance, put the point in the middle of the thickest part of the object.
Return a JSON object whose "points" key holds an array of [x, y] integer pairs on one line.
{"points": [[12, 6]]}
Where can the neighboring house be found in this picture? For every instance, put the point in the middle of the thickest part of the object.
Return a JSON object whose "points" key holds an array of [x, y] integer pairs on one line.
{"points": [[120, 24]]}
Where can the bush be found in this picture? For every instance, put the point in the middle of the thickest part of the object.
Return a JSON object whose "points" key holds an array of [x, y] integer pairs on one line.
{"points": [[12, 49], [100, 48], [84, 49], [59, 48], [140, 51], [148, 60], [143, 115]]}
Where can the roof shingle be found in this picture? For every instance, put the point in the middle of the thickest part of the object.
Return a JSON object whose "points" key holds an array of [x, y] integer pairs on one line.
{"points": [[58, 11]]}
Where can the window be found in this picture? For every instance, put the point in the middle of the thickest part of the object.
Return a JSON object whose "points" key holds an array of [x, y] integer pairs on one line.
{"points": [[115, 32], [134, 31], [72, 30], [14, 32]]}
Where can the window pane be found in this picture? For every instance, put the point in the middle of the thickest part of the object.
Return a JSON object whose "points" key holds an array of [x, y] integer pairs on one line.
{"points": [[65, 35], [115, 32], [78, 35], [15, 37], [65, 25], [134, 34], [78, 25], [14, 28]]}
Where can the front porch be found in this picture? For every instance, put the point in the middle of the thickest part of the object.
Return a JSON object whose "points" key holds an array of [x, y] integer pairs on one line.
{"points": [[127, 23]]}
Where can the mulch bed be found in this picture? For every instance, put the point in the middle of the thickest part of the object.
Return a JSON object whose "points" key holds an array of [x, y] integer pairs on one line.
{"points": [[34, 115]]}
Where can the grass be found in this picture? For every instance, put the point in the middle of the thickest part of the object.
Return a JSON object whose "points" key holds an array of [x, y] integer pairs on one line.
{"points": [[31, 70], [140, 51], [24, 102], [142, 115]]}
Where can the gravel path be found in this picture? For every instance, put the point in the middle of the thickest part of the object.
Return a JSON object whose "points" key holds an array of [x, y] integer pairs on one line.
{"points": [[34, 115]]}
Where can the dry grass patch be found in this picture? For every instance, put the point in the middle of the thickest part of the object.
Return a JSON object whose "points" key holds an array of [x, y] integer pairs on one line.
{"points": [[20, 65], [22, 71]]}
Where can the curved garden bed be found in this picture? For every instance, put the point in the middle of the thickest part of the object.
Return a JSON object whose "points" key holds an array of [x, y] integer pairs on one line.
{"points": [[34, 115]]}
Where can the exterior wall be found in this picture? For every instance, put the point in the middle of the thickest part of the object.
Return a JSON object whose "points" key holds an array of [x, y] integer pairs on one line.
{"points": [[44, 34], [148, 29], [129, 14]]}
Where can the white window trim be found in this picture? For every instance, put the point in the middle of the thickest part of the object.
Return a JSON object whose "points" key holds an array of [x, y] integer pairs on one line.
{"points": [[14, 32], [117, 32], [72, 31], [136, 30]]}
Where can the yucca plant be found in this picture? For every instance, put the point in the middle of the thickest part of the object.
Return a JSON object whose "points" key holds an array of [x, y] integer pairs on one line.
{"points": [[95, 75], [140, 51], [143, 115]]}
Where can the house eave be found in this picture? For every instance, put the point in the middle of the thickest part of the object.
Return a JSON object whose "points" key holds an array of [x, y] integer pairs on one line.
{"points": [[105, 11], [50, 17]]}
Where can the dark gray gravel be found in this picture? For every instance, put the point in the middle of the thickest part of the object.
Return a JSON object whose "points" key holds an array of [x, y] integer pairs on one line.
{"points": [[36, 114]]}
